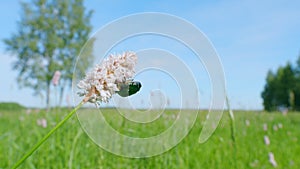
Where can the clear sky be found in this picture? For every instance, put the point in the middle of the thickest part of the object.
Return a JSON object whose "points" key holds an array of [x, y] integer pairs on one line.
{"points": [[251, 37]]}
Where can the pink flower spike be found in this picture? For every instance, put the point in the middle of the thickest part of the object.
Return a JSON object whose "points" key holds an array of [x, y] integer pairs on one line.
{"points": [[42, 122], [267, 140], [56, 77], [265, 127], [104, 80], [272, 159]]}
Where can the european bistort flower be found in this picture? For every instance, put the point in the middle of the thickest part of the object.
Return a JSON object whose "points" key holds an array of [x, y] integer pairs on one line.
{"points": [[106, 78], [113, 75]]}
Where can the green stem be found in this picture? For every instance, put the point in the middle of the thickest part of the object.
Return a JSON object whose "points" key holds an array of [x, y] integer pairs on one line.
{"points": [[73, 147], [232, 131], [37, 145]]}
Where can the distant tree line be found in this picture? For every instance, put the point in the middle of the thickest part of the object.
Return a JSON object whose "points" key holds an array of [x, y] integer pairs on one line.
{"points": [[282, 88]]}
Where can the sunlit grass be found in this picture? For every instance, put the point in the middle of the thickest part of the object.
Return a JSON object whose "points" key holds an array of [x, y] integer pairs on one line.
{"points": [[69, 147]]}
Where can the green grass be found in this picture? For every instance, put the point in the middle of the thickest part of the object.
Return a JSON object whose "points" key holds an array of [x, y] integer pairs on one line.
{"points": [[12, 106], [70, 147]]}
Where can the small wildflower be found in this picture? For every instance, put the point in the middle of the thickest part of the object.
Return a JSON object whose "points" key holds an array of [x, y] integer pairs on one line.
{"points": [[28, 111], [56, 77], [247, 122], [21, 118], [265, 126], [106, 78], [254, 163], [272, 159], [267, 140], [42, 122], [275, 128], [280, 126]]}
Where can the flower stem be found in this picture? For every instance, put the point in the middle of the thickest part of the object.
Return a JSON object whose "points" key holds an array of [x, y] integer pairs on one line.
{"points": [[37, 145]]}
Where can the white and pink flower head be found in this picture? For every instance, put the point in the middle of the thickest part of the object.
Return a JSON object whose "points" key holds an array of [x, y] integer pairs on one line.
{"points": [[106, 78]]}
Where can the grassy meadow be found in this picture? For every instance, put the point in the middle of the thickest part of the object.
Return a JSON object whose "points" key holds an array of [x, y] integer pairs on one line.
{"points": [[70, 147]]}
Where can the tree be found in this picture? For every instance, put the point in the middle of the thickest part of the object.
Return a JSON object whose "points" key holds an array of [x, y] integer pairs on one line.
{"points": [[297, 85], [49, 37], [280, 89], [268, 93]]}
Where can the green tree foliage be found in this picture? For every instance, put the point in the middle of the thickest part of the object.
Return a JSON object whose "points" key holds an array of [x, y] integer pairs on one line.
{"points": [[282, 89], [297, 86], [49, 37]]}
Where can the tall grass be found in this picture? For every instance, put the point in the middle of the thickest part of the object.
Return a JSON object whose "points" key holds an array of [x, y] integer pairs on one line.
{"points": [[69, 147]]}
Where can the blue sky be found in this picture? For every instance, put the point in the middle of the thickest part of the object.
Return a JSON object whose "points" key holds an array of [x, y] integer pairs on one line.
{"points": [[251, 37]]}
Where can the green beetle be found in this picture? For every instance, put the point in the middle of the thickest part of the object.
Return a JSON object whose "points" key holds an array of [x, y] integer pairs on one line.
{"points": [[129, 88]]}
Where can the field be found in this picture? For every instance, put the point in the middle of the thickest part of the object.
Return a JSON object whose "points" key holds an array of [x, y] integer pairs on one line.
{"points": [[70, 147]]}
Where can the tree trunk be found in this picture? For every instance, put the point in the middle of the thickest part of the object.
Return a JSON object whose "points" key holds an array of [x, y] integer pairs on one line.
{"points": [[48, 96], [61, 94]]}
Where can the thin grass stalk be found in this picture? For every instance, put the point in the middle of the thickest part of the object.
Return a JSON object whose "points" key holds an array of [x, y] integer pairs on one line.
{"points": [[232, 131], [37, 145]]}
